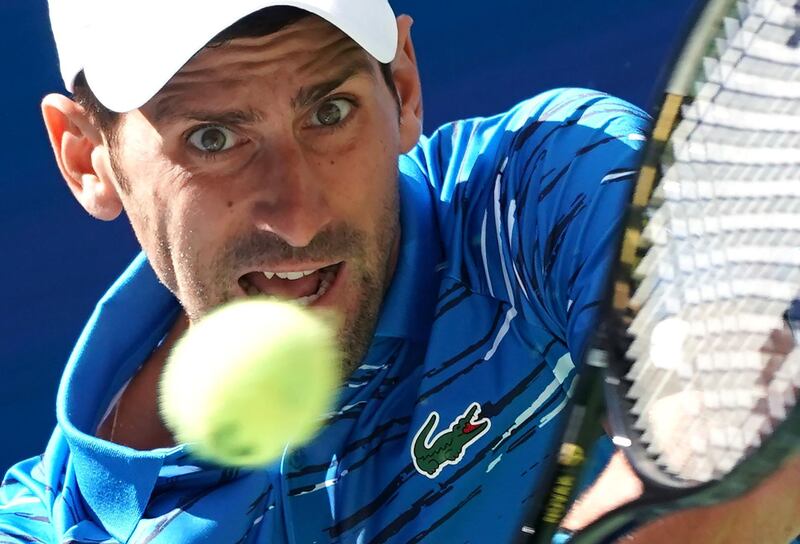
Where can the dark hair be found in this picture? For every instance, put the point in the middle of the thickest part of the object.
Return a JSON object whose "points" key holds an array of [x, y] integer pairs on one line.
{"points": [[260, 23]]}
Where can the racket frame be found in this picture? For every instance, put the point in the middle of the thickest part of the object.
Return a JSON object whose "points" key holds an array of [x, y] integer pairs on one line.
{"points": [[663, 492]]}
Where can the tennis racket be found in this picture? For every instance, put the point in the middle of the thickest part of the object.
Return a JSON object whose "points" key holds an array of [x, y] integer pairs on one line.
{"points": [[697, 355]]}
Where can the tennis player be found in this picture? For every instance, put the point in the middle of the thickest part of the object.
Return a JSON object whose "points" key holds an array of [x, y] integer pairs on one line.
{"points": [[263, 150]]}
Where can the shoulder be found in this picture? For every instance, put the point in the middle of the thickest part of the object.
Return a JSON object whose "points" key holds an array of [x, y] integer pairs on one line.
{"points": [[559, 121], [527, 183]]}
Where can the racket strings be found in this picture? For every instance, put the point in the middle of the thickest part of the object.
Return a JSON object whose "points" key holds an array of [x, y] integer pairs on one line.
{"points": [[757, 56], [716, 366], [728, 181], [746, 104]]}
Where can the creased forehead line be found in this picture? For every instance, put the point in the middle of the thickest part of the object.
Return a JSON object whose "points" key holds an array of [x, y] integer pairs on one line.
{"points": [[240, 53], [341, 60], [337, 54], [242, 68]]}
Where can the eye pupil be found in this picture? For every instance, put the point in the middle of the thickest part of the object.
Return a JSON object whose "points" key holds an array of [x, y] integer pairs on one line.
{"points": [[329, 114], [213, 139]]}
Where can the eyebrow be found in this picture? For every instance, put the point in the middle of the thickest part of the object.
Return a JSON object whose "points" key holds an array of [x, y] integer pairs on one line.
{"points": [[308, 95], [235, 117], [165, 108]]}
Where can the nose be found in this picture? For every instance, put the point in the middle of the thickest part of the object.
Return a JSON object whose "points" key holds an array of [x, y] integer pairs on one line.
{"points": [[291, 199]]}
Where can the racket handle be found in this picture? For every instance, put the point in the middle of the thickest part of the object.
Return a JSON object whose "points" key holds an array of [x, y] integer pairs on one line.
{"points": [[562, 492], [582, 430]]}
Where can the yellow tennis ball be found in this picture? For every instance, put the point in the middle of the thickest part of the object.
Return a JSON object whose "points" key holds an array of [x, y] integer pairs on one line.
{"points": [[248, 379]]}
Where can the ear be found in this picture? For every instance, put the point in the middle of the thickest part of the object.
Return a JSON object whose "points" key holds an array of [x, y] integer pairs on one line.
{"points": [[82, 155], [407, 82]]}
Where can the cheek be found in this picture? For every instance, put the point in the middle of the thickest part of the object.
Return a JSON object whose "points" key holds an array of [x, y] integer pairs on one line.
{"points": [[161, 211], [365, 174], [361, 183], [178, 217], [199, 216]]}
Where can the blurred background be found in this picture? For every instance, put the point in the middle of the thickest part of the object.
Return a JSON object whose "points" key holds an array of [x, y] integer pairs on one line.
{"points": [[476, 58]]}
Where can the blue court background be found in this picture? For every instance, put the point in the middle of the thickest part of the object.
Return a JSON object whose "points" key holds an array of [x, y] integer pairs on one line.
{"points": [[476, 58]]}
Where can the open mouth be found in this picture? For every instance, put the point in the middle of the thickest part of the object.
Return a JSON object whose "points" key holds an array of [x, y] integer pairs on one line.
{"points": [[304, 287]]}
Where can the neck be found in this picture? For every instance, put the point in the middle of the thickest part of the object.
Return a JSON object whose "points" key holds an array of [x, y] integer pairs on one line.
{"points": [[135, 420]]}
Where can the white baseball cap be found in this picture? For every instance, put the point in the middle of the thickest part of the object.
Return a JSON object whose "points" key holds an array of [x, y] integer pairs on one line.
{"points": [[130, 49]]}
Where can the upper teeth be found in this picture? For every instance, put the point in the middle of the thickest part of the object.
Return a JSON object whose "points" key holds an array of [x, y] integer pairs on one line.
{"points": [[289, 275]]}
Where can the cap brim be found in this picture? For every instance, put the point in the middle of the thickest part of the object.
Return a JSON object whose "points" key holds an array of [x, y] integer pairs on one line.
{"points": [[138, 51]]}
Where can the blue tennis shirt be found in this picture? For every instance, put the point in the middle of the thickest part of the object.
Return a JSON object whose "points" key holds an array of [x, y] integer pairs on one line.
{"points": [[442, 434]]}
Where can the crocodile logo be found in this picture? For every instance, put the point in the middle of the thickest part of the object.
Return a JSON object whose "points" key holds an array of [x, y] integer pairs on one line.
{"points": [[431, 455]]}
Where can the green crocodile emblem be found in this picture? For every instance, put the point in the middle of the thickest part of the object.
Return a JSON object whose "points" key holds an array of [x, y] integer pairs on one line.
{"points": [[432, 454]]}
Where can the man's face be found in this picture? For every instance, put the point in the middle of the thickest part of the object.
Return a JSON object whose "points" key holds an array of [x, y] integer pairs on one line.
{"points": [[264, 160]]}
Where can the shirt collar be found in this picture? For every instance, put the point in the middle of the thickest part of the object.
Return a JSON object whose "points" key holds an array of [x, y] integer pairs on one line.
{"points": [[115, 481]]}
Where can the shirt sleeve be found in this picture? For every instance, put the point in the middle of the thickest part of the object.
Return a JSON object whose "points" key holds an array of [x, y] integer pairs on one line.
{"points": [[24, 517], [530, 202]]}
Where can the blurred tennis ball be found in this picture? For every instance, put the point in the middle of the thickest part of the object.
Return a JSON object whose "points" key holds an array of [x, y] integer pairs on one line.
{"points": [[248, 379]]}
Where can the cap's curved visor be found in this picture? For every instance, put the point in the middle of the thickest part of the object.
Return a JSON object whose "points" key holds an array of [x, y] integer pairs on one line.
{"points": [[130, 49]]}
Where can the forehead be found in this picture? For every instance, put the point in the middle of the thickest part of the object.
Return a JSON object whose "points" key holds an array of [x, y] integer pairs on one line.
{"points": [[305, 49]]}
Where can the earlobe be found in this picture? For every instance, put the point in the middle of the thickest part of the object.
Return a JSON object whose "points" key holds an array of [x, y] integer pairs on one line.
{"points": [[79, 147], [407, 82], [99, 198]]}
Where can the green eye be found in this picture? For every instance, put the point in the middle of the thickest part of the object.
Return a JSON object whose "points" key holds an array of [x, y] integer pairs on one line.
{"points": [[212, 139], [332, 113]]}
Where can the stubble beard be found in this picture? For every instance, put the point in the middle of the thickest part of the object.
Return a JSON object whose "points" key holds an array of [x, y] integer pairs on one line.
{"points": [[178, 272], [371, 267], [358, 331]]}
